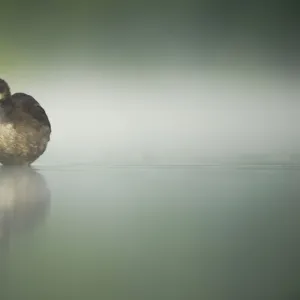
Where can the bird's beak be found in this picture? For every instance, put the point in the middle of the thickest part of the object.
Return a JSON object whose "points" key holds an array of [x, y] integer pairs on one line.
{"points": [[1, 96]]}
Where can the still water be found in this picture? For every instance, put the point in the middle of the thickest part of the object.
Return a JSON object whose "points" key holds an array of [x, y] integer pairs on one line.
{"points": [[94, 232]]}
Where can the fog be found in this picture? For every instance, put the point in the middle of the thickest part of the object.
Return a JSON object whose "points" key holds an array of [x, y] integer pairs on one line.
{"points": [[125, 81], [194, 107], [126, 115]]}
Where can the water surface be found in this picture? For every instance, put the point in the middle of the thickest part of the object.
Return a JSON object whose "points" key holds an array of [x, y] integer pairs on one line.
{"points": [[94, 232]]}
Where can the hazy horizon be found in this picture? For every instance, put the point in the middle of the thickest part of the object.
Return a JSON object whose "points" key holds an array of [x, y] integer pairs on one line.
{"points": [[130, 113], [161, 77]]}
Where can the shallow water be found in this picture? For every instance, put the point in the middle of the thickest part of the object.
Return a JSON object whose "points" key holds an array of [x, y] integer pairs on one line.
{"points": [[92, 232]]}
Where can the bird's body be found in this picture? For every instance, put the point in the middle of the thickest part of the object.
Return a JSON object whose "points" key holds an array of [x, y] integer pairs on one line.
{"points": [[24, 129]]}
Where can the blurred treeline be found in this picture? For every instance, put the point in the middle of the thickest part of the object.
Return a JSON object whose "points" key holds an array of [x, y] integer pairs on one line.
{"points": [[203, 28]]}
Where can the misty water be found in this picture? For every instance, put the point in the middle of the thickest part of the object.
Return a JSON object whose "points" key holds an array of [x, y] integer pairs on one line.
{"points": [[141, 232], [173, 166], [141, 193]]}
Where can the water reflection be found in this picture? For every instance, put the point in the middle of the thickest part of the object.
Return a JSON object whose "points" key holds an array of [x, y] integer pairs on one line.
{"points": [[24, 200], [24, 203]]}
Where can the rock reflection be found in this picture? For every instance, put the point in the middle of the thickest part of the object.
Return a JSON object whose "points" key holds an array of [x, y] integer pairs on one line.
{"points": [[24, 200]]}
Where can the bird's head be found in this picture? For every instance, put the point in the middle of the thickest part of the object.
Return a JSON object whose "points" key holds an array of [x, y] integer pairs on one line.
{"points": [[4, 89]]}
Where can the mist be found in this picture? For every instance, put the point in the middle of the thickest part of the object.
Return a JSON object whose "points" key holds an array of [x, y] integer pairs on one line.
{"points": [[122, 82], [171, 114], [172, 171]]}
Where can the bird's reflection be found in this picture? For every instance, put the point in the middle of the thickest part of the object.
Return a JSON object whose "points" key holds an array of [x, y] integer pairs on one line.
{"points": [[24, 199], [24, 203]]}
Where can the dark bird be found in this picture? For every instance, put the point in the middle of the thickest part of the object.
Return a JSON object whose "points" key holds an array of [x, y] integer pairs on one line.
{"points": [[24, 128]]}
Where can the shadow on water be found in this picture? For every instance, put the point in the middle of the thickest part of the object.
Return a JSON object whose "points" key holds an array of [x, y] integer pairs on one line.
{"points": [[24, 204]]}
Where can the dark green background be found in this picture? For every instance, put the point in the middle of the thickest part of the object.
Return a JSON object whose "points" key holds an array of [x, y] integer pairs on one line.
{"points": [[142, 31]]}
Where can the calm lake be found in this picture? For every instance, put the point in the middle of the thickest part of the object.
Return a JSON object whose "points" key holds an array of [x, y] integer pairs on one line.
{"points": [[94, 232]]}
